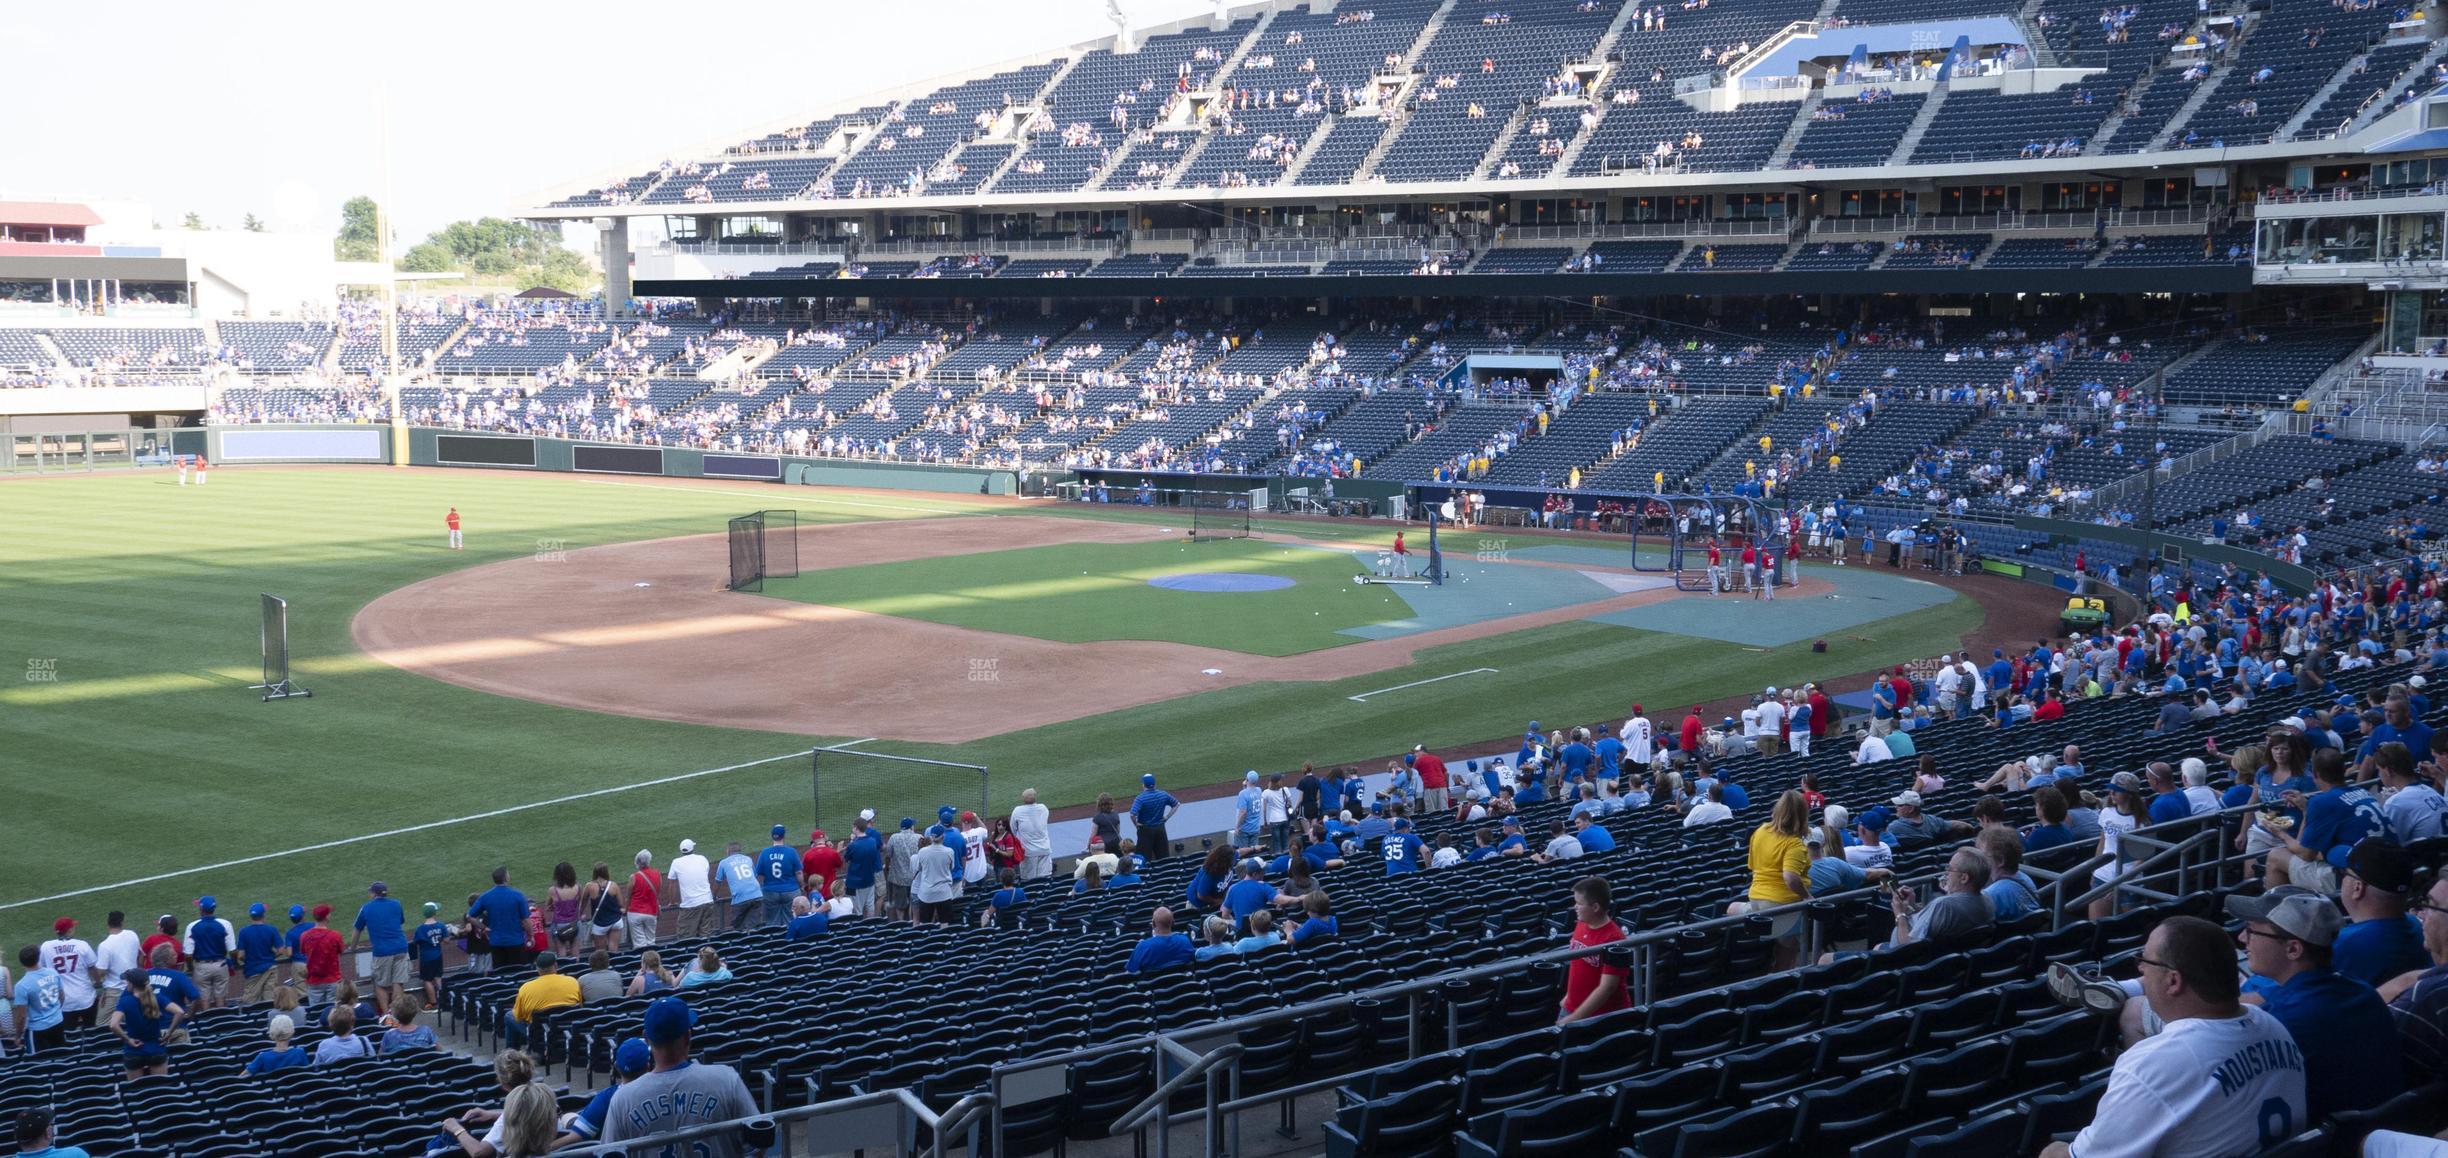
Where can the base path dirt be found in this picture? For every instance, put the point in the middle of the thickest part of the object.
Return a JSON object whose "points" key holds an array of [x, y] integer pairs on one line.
{"points": [[645, 629]]}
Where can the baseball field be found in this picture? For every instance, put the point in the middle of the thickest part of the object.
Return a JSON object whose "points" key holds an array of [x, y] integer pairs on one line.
{"points": [[575, 684]]}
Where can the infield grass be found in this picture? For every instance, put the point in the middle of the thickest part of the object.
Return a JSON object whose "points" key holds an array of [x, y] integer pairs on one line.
{"points": [[130, 746], [1084, 592]]}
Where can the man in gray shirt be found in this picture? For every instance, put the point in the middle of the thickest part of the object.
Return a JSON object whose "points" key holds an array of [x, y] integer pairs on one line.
{"points": [[678, 1094], [934, 879], [1960, 912], [898, 852]]}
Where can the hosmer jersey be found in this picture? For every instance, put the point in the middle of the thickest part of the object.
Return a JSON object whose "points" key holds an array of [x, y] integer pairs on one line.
{"points": [[71, 959], [2201, 1088], [678, 1099]]}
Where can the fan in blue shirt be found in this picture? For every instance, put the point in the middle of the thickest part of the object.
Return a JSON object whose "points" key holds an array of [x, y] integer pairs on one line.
{"points": [[1595, 838], [862, 859], [777, 866], [1402, 850], [1250, 894], [1162, 949]]}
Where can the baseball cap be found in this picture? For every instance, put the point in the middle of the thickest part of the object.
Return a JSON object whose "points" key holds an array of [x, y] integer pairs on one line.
{"points": [[378, 888], [1512, 822], [431, 908], [297, 912], [867, 814], [1729, 722], [816, 835], [256, 909], [322, 911], [1906, 799], [2124, 782], [633, 1057], [63, 924], [1250, 777], [906, 822], [946, 813], [667, 1020], [687, 845], [936, 830], [207, 904], [2381, 865], [1148, 780], [1837, 816], [1771, 690], [2304, 915], [1815, 836], [1403, 823], [779, 832]]}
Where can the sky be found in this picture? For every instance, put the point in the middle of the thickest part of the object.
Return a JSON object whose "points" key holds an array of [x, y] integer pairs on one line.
{"points": [[273, 108]]}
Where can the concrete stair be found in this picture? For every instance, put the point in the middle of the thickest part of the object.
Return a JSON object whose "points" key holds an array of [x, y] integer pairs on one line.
{"points": [[1919, 127]]}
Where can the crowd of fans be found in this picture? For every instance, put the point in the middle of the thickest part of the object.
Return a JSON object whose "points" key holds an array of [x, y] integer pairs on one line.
{"points": [[2337, 979]]}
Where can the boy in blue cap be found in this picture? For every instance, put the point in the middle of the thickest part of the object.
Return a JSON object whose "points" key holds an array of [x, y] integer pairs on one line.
{"points": [[260, 949], [633, 1059]]}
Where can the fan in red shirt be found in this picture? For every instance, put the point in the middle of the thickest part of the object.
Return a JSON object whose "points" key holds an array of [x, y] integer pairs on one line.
{"points": [[1693, 726], [819, 865], [321, 947], [1902, 686], [645, 902], [1594, 985], [1823, 711], [1433, 782]]}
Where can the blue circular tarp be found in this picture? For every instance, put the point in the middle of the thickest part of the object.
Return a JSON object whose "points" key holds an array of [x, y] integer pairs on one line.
{"points": [[1224, 581]]}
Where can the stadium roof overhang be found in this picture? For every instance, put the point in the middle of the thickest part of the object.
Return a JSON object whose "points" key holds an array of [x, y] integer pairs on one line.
{"points": [[1623, 184], [2174, 279], [56, 214]]}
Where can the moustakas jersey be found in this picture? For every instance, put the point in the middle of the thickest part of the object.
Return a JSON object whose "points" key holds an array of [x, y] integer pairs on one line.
{"points": [[973, 858], [1402, 853], [2201, 1088], [677, 1099], [73, 960]]}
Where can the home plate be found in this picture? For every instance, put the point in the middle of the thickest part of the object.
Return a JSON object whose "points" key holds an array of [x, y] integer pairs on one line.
{"points": [[641, 585]]}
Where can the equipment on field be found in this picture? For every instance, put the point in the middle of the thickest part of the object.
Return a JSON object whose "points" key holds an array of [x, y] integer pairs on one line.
{"points": [[894, 786], [1685, 524], [276, 684], [764, 545], [1217, 515], [1393, 570]]}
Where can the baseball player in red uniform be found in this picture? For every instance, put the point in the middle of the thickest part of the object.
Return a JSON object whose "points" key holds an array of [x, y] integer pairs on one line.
{"points": [[452, 521], [1402, 555]]}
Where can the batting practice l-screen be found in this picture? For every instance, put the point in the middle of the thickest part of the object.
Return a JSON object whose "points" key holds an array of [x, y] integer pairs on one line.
{"points": [[763, 545]]}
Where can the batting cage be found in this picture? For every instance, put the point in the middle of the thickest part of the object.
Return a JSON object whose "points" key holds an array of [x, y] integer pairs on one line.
{"points": [[764, 545], [844, 782], [1415, 565], [1217, 515]]}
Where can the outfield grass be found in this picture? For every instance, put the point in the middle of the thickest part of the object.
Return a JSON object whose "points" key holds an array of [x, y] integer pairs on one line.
{"points": [[1087, 592], [147, 755]]}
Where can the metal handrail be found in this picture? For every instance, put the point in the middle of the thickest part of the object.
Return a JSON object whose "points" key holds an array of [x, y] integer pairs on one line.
{"points": [[960, 1116], [1197, 1069]]}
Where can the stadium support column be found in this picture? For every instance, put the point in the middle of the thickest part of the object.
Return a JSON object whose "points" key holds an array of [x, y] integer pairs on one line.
{"points": [[616, 267]]}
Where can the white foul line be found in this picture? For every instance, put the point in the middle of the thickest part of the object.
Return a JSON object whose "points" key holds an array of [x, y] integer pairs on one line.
{"points": [[432, 824], [1363, 697]]}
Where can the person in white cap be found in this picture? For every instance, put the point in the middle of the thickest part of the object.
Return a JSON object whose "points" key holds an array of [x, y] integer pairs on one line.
{"points": [[1771, 720], [1028, 822], [1950, 687], [694, 876]]}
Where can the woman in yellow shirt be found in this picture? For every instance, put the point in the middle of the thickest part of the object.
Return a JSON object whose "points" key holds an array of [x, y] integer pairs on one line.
{"points": [[1780, 872]]}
